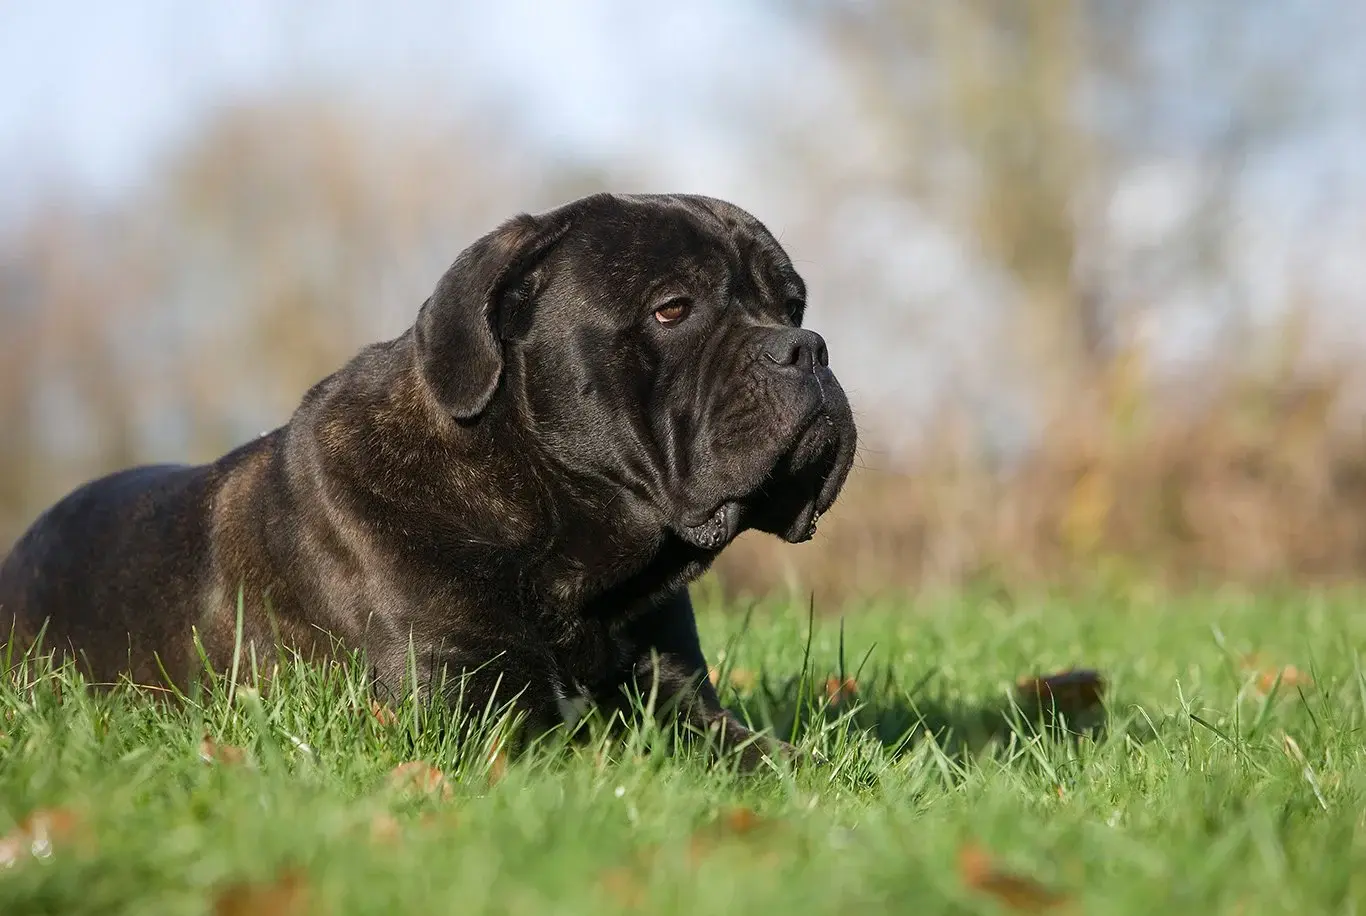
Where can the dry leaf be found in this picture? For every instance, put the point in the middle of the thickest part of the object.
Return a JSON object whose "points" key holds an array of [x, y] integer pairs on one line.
{"points": [[743, 679], [1016, 892], [1072, 694], [740, 821], [385, 829], [287, 895], [383, 714], [740, 678], [623, 886], [838, 691], [210, 751], [497, 762], [421, 777], [37, 834], [1290, 678], [733, 823], [445, 819], [1267, 672]]}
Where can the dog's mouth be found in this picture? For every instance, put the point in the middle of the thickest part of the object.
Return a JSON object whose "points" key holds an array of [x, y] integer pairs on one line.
{"points": [[727, 520], [802, 487], [788, 501], [715, 530]]}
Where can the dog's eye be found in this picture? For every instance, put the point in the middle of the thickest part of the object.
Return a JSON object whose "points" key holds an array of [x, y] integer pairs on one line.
{"points": [[673, 311]]}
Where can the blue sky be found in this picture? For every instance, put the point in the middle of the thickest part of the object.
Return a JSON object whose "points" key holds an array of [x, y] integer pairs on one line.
{"points": [[96, 89]]}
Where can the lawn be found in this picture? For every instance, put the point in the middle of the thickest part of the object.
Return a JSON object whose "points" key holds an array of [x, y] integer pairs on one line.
{"points": [[1228, 778]]}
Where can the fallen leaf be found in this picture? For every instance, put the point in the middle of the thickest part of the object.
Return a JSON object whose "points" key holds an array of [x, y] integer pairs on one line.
{"points": [[622, 884], [445, 819], [1290, 678], [37, 834], [385, 829], [1072, 694], [383, 714], [1267, 671], [977, 871], [421, 777], [740, 820], [210, 751], [288, 895], [838, 691], [733, 823], [497, 762], [740, 678]]}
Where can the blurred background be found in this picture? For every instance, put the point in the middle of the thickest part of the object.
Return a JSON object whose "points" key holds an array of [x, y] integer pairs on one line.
{"points": [[1091, 270]]}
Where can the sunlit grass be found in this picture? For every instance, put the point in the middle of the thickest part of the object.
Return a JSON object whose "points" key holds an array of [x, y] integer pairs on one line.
{"points": [[1203, 794]]}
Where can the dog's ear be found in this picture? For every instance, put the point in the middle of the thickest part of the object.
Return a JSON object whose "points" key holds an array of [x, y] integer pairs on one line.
{"points": [[459, 350]]}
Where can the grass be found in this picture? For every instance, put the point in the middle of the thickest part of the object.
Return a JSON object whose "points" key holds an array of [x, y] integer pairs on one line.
{"points": [[1200, 795]]}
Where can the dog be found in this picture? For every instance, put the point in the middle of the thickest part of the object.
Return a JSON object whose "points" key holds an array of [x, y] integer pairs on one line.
{"points": [[591, 405]]}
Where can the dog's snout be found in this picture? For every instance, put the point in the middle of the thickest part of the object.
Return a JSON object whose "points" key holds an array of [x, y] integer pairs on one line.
{"points": [[798, 349]]}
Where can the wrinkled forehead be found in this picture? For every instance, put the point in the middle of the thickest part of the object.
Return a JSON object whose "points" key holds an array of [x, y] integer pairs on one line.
{"points": [[643, 244]]}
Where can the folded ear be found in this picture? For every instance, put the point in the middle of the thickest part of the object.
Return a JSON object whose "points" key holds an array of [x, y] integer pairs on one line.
{"points": [[459, 351]]}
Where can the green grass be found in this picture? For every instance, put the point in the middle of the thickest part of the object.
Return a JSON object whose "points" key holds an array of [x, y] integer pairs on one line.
{"points": [[1192, 800]]}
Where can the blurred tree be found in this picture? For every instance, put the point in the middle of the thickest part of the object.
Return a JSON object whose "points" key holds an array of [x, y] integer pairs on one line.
{"points": [[255, 260], [1013, 122]]}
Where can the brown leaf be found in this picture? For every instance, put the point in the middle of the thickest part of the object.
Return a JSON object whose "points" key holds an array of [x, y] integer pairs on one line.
{"points": [[288, 895], [422, 778], [383, 714], [385, 829], [497, 762], [734, 823], [1015, 892], [210, 751], [740, 821], [740, 678], [1267, 672], [623, 885], [445, 819], [1290, 678], [1072, 694], [38, 834], [838, 691]]}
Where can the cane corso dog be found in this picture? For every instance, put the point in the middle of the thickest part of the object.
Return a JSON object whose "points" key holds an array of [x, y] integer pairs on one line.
{"points": [[591, 405]]}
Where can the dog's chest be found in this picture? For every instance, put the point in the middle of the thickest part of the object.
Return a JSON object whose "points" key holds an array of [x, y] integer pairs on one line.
{"points": [[591, 657]]}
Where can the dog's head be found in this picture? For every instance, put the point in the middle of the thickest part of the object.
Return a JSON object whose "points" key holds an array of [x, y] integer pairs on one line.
{"points": [[653, 346]]}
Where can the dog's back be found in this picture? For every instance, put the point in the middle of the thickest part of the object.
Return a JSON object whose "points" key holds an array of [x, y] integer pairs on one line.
{"points": [[71, 573]]}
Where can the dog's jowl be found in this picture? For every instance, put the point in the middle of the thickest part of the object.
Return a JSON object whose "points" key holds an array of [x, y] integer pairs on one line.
{"points": [[590, 406]]}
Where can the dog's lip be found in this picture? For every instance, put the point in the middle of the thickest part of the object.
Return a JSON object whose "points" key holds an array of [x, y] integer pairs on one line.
{"points": [[803, 526], [716, 526], [716, 529]]}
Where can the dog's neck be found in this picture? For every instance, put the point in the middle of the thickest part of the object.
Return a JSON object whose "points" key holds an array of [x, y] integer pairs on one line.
{"points": [[601, 560], [573, 554]]}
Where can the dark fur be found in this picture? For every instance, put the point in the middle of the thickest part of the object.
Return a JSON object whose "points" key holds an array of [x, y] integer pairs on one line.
{"points": [[523, 483]]}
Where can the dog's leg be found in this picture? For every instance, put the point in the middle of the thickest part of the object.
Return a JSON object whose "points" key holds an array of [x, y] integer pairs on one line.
{"points": [[479, 682], [671, 664]]}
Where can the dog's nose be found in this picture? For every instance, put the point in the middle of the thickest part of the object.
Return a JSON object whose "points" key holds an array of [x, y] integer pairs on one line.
{"points": [[798, 349]]}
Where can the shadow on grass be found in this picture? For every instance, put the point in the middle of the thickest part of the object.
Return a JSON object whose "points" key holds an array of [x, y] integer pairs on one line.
{"points": [[900, 719], [900, 715]]}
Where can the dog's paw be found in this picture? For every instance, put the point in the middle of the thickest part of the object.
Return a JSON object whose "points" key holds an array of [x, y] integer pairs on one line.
{"points": [[762, 752]]}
